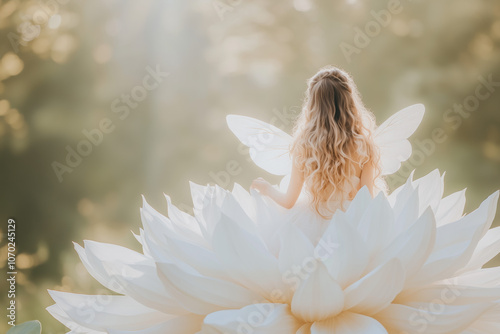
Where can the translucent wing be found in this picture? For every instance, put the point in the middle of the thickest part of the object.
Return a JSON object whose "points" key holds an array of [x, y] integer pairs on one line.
{"points": [[269, 146], [392, 137]]}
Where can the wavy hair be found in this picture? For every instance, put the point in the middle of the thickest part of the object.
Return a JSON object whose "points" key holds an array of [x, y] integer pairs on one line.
{"points": [[333, 139]]}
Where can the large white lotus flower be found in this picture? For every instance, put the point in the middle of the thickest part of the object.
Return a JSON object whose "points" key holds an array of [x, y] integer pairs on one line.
{"points": [[405, 263]]}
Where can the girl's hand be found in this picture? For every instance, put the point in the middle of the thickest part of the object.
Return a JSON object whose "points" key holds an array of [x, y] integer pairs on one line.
{"points": [[261, 185]]}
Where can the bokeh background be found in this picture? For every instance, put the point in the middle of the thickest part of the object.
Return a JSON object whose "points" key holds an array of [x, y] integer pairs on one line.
{"points": [[67, 65]]}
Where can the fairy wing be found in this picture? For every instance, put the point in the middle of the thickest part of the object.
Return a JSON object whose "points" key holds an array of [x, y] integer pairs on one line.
{"points": [[392, 137], [268, 145]]}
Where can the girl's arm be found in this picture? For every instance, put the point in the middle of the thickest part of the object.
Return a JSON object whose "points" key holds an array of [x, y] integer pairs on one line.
{"points": [[368, 177], [288, 199]]}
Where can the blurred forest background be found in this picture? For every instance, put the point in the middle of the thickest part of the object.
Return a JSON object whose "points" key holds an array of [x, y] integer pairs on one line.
{"points": [[68, 67]]}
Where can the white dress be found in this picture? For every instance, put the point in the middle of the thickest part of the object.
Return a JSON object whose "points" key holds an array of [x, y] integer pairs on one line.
{"points": [[305, 217]]}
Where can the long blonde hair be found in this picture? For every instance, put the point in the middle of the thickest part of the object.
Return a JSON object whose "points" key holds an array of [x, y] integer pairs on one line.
{"points": [[333, 138]]}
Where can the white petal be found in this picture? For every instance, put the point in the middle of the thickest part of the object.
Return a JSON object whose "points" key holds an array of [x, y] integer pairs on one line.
{"points": [[233, 210], [203, 260], [207, 203], [376, 290], [399, 197], [257, 319], [203, 295], [430, 189], [61, 316], [96, 255], [343, 251], [455, 243], [442, 264], [410, 212], [376, 221], [488, 322], [270, 218], [304, 329], [129, 273], [168, 246], [295, 258], [449, 294], [318, 296], [184, 222], [165, 245], [248, 261], [141, 240], [106, 311], [198, 193], [430, 318], [411, 247], [187, 324], [487, 277], [487, 248], [155, 242], [296, 250], [479, 220], [451, 208], [484, 327], [164, 225], [492, 204], [245, 200], [348, 323], [358, 206]]}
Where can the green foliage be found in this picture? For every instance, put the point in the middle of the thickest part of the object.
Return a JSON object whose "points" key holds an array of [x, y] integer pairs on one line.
{"points": [[30, 327]]}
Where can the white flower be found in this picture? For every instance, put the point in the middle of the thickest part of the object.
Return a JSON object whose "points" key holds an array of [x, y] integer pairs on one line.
{"points": [[406, 263]]}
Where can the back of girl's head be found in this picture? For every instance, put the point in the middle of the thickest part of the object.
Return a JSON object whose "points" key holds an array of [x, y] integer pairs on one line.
{"points": [[333, 136]]}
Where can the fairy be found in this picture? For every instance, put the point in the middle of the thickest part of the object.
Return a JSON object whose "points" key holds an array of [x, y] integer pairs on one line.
{"points": [[336, 148]]}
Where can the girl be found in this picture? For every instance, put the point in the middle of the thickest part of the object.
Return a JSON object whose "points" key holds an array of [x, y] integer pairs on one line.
{"points": [[333, 151]]}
